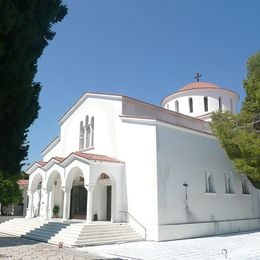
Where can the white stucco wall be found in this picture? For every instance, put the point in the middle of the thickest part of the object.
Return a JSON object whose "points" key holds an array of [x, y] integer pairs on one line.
{"points": [[184, 156], [106, 113], [138, 150], [54, 149]]}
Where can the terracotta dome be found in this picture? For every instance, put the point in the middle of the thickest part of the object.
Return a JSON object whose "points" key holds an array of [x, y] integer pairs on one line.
{"points": [[199, 85]]}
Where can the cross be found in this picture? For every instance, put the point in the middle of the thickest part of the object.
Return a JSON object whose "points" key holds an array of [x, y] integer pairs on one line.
{"points": [[197, 76], [185, 184]]}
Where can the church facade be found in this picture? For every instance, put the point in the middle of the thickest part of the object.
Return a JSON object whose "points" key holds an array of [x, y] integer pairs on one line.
{"points": [[159, 168]]}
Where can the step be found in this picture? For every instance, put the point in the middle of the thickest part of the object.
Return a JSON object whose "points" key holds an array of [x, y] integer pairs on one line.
{"points": [[89, 235], [106, 242], [71, 234]]}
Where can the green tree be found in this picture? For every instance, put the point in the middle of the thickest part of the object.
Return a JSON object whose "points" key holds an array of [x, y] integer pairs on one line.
{"points": [[25, 30], [239, 134], [10, 192]]}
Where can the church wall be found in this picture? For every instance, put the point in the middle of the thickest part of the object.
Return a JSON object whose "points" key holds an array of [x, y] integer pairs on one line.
{"points": [[185, 157], [54, 151], [105, 113], [138, 152]]}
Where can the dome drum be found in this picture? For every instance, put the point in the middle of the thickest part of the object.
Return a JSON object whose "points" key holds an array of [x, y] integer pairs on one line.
{"points": [[200, 99]]}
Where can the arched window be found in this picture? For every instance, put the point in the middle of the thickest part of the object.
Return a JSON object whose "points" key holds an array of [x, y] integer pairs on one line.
{"points": [[177, 106], [209, 183], [87, 132], [167, 106], [231, 105], [104, 176], [206, 106], [191, 105], [220, 103], [245, 186], [92, 131], [229, 183], [81, 136]]}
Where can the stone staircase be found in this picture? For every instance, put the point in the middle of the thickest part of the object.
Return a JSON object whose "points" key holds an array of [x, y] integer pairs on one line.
{"points": [[71, 234]]}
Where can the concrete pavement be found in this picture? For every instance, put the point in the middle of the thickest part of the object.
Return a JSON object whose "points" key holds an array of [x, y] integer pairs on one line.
{"points": [[242, 246]]}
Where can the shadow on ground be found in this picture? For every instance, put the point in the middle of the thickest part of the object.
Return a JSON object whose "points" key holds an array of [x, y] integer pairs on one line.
{"points": [[9, 241]]}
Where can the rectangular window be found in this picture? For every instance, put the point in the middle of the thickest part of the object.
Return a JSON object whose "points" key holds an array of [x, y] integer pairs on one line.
{"points": [[231, 106], [191, 105], [220, 103], [206, 108]]}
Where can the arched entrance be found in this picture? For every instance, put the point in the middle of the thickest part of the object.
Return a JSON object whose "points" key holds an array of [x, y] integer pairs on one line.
{"points": [[38, 200], [104, 189], [55, 198], [78, 200], [35, 198]]}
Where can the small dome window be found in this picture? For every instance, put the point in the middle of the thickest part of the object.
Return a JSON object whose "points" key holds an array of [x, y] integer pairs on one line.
{"points": [[177, 106], [191, 104], [231, 105], [220, 103], [206, 105]]}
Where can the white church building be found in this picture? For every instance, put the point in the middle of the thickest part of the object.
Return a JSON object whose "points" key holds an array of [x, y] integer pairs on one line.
{"points": [[160, 168]]}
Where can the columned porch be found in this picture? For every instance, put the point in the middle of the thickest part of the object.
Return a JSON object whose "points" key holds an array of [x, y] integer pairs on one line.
{"points": [[80, 187]]}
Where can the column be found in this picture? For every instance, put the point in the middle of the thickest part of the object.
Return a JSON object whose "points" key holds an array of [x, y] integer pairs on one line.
{"points": [[29, 213], [46, 205], [66, 203], [90, 188]]}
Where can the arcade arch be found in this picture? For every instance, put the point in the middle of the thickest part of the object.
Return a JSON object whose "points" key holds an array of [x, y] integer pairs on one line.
{"points": [[54, 194]]}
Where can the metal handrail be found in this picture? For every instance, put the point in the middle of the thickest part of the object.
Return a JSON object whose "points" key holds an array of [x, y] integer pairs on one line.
{"points": [[126, 213]]}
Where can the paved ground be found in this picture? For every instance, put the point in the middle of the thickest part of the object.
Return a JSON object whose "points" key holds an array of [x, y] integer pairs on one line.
{"points": [[240, 247], [243, 246], [23, 249]]}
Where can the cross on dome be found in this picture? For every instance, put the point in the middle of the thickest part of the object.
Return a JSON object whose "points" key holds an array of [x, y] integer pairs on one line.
{"points": [[197, 76]]}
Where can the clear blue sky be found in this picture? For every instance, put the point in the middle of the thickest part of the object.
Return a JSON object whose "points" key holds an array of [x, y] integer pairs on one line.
{"points": [[145, 49]]}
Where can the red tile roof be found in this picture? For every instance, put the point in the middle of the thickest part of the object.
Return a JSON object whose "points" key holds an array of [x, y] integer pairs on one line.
{"points": [[57, 158], [199, 85], [88, 156], [96, 157], [41, 163], [23, 182]]}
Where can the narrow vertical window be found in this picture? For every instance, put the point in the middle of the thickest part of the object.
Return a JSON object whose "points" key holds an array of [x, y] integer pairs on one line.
{"points": [[191, 105], [167, 106], [229, 183], [206, 106], [177, 106], [231, 105], [210, 188], [86, 132], [220, 103], [92, 131], [81, 136], [245, 186]]}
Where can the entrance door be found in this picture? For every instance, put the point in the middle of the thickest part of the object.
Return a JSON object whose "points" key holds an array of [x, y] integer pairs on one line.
{"points": [[78, 202], [109, 195]]}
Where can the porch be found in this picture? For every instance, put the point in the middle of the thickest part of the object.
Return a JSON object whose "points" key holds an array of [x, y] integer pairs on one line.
{"points": [[71, 233], [80, 186]]}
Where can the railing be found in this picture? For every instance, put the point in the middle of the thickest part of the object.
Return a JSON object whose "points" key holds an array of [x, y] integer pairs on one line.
{"points": [[128, 216]]}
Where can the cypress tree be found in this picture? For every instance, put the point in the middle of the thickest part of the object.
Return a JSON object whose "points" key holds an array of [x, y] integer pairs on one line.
{"points": [[25, 30]]}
